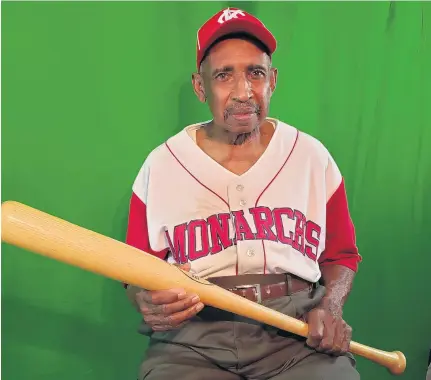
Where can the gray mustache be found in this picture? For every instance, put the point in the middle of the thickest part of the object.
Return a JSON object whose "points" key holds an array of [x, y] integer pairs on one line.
{"points": [[243, 108]]}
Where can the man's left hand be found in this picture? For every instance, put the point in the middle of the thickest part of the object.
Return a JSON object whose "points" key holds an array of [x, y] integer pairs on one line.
{"points": [[328, 332]]}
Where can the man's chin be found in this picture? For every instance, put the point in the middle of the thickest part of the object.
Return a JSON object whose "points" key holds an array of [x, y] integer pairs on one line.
{"points": [[242, 124]]}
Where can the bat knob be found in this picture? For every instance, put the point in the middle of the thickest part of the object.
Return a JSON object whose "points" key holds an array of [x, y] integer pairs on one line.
{"points": [[399, 364]]}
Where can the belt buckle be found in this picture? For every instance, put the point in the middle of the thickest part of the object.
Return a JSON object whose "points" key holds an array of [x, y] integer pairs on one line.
{"points": [[257, 290]]}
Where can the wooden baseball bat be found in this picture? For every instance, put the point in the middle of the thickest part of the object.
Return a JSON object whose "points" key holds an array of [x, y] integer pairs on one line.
{"points": [[47, 235]]}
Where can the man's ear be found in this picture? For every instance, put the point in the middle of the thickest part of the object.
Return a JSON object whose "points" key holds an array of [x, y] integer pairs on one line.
{"points": [[198, 87], [273, 79]]}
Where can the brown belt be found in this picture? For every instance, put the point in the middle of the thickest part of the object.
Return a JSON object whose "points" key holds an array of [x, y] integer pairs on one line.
{"points": [[260, 287]]}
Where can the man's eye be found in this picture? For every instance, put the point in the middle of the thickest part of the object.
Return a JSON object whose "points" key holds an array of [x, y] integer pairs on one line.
{"points": [[257, 73], [222, 76]]}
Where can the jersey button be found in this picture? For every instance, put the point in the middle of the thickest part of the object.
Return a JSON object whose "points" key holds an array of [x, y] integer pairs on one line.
{"points": [[250, 253], [240, 187], [242, 202]]}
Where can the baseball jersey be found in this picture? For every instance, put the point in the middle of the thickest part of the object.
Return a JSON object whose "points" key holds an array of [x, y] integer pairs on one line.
{"points": [[287, 213]]}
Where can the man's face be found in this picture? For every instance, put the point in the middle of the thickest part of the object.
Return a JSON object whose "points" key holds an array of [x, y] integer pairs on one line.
{"points": [[237, 81]]}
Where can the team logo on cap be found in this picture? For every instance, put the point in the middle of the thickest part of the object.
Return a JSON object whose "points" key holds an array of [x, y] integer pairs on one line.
{"points": [[229, 15]]}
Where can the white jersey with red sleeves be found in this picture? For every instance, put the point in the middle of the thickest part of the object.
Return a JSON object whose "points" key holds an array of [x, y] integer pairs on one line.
{"points": [[287, 213]]}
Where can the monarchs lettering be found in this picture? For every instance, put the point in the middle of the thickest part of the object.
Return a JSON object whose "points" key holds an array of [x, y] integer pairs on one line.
{"points": [[202, 237]]}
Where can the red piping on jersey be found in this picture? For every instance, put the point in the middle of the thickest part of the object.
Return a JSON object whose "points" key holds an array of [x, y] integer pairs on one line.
{"points": [[206, 187], [269, 184]]}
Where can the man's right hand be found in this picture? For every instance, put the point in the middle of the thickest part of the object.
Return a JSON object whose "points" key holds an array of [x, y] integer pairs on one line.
{"points": [[168, 309]]}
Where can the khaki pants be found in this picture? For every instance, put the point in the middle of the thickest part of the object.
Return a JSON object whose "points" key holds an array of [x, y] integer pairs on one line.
{"points": [[218, 345]]}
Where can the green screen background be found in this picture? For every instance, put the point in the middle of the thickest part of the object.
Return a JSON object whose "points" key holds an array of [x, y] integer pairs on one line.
{"points": [[89, 89]]}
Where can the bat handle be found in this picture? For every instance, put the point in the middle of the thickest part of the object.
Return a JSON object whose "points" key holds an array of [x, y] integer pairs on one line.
{"points": [[394, 361]]}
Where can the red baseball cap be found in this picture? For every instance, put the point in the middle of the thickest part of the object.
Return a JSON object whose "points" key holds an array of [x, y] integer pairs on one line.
{"points": [[232, 20]]}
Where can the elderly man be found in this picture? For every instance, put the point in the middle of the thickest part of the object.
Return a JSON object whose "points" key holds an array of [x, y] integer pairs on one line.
{"points": [[255, 206]]}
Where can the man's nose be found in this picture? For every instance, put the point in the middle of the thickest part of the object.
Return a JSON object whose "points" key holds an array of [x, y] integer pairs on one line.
{"points": [[242, 89]]}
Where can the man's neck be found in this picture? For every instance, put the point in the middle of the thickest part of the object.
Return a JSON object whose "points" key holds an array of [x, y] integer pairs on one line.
{"points": [[219, 135], [239, 157]]}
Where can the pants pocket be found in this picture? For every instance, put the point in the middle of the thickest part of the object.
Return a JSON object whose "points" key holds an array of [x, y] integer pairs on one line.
{"points": [[306, 300], [283, 305]]}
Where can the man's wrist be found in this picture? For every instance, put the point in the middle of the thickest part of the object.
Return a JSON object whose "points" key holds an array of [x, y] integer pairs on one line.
{"points": [[338, 281], [332, 304]]}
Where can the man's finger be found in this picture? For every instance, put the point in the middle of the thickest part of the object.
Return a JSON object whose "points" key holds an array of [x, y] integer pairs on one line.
{"points": [[315, 328], [346, 341], [166, 309], [176, 319], [179, 306], [172, 314], [329, 333], [161, 328], [186, 267], [338, 338], [161, 297]]}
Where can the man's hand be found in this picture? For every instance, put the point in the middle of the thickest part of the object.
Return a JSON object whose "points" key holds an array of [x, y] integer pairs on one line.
{"points": [[328, 332], [168, 309]]}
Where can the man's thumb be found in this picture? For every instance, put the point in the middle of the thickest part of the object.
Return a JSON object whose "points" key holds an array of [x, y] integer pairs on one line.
{"points": [[186, 267]]}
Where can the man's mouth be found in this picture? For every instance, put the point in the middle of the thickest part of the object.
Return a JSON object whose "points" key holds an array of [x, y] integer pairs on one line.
{"points": [[244, 111], [243, 114]]}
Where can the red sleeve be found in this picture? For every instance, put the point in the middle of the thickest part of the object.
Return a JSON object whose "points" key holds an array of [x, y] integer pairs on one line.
{"points": [[137, 228], [340, 248]]}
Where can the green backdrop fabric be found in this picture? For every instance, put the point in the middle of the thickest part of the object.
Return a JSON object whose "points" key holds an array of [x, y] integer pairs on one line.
{"points": [[89, 89]]}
